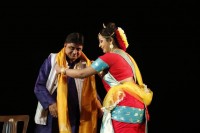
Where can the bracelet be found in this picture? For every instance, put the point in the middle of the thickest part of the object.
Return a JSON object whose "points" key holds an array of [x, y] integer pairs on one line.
{"points": [[62, 71]]}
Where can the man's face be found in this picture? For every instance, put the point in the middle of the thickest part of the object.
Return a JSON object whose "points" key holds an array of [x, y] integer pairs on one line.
{"points": [[73, 51]]}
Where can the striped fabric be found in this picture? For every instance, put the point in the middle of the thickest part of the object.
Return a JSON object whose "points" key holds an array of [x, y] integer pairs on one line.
{"points": [[41, 114]]}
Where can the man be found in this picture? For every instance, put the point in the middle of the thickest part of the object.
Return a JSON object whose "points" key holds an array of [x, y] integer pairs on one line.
{"points": [[65, 104]]}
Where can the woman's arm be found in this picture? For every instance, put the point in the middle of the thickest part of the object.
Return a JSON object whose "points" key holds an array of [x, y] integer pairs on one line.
{"points": [[76, 73]]}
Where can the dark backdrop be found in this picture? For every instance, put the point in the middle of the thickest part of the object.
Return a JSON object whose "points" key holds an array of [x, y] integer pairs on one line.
{"points": [[162, 39]]}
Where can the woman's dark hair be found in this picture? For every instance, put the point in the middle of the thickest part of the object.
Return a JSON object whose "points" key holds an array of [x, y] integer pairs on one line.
{"points": [[75, 37], [108, 31]]}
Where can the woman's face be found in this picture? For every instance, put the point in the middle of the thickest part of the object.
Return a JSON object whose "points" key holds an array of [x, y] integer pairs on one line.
{"points": [[104, 44]]}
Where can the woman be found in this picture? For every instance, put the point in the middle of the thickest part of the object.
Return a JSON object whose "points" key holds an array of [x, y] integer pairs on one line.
{"points": [[125, 104]]}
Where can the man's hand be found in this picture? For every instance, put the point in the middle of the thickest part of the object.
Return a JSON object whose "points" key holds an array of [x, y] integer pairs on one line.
{"points": [[100, 112], [53, 110]]}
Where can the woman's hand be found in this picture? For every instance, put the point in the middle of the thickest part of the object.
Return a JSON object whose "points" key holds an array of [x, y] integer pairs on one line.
{"points": [[58, 69]]}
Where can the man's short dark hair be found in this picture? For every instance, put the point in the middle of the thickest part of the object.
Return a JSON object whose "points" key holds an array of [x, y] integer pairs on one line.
{"points": [[75, 37]]}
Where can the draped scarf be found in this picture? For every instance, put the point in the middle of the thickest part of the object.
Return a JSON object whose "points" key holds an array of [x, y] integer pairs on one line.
{"points": [[89, 101], [138, 89]]}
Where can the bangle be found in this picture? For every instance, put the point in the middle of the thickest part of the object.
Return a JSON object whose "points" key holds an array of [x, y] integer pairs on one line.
{"points": [[62, 71]]}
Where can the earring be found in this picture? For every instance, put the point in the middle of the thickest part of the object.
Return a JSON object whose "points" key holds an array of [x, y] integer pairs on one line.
{"points": [[104, 25], [111, 46]]}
